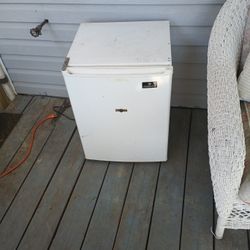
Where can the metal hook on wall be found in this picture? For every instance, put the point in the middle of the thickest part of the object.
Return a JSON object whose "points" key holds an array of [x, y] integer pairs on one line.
{"points": [[37, 31]]}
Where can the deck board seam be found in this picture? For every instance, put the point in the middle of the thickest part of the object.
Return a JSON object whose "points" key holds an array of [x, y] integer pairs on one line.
{"points": [[38, 155], [27, 135], [248, 238], [14, 155], [98, 195], [123, 205], [153, 205], [32, 97], [66, 205], [187, 155], [44, 191], [185, 178], [11, 159], [213, 226]]}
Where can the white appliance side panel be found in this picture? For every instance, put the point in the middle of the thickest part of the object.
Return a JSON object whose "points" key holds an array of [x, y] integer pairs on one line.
{"points": [[140, 134]]}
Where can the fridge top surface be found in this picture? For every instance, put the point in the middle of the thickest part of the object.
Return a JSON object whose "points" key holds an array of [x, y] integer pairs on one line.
{"points": [[140, 43]]}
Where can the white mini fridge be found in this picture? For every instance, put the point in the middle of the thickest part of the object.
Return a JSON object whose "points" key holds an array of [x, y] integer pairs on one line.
{"points": [[119, 76]]}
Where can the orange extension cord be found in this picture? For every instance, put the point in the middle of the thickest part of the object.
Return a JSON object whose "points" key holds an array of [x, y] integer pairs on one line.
{"points": [[27, 154]]}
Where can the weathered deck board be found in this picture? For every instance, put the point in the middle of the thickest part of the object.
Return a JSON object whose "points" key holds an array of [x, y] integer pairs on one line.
{"points": [[41, 228], [135, 220], [232, 240], [28, 197], [166, 222], [109, 207], [10, 184], [75, 221], [30, 115], [7, 122], [19, 104], [11, 115], [54, 201], [198, 200]]}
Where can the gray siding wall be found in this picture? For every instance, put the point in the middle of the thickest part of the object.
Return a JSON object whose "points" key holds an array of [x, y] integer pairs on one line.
{"points": [[34, 63]]}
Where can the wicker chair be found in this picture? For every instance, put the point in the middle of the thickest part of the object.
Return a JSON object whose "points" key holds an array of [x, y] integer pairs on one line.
{"points": [[225, 130]]}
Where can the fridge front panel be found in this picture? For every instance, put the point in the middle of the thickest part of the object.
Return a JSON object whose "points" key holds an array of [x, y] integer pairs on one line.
{"points": [[122, 118]]}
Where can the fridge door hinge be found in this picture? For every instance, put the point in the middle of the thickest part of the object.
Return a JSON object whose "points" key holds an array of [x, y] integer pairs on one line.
{"points": [[65, 64]]}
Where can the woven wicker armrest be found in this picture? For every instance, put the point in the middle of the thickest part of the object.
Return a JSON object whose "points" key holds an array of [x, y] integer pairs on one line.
{"points": [[225, 130]]}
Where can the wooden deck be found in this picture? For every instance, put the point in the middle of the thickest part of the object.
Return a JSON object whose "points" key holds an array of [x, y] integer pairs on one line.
{"points": [[59, 200]]}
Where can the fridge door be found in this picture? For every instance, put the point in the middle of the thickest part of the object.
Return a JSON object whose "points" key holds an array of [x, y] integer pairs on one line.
{"points": [[122, 117]]}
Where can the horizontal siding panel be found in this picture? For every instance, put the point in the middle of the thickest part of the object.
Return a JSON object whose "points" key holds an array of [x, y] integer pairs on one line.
{"points": [[190, 71], [188, 97], [189, 87], [50, 32], [190, 36], [33, 62], [180, 87], [55, 63], [189, 54], [181, 71], [179, 15], [36, 76], [135, 2], [196, 36], [193, 101], [40, 89], [180, 54], [34, 48]]}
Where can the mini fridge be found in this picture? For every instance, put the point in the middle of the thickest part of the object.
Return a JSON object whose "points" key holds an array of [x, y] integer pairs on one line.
{"points": [[118, 77]]}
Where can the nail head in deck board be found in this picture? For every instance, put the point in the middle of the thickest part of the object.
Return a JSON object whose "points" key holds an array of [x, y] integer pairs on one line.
{"points": [[21, 130], [166, 221], [10, 184], [135, 220], [198, 201], [22, 208], [75, 220], [108, 209], [19, 104], [43, 224]]}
